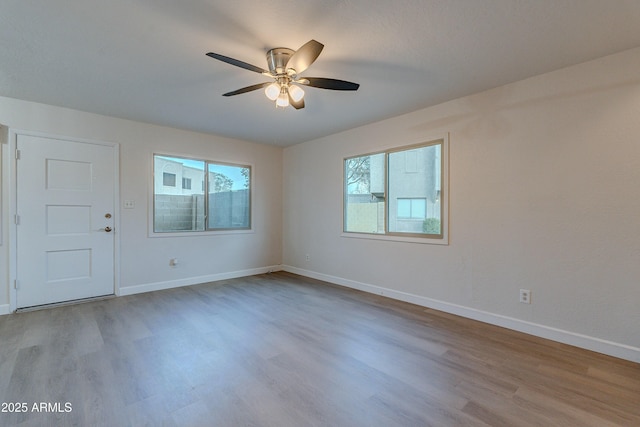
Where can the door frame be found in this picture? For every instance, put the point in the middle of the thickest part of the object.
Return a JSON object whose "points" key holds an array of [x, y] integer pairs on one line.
{"points": [[13, 206]]}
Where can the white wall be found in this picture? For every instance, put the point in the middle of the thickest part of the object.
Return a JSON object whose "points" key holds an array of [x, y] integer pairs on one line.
{"points": [[144, 261], [545, 195]]}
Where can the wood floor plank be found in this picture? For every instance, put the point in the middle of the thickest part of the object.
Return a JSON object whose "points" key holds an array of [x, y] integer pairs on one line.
{"points": [[284, 350]]}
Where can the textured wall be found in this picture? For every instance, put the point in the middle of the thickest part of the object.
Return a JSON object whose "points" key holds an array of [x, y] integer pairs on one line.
{"points": [[544, 196]]}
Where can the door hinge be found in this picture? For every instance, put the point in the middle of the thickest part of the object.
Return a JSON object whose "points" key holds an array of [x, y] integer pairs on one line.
{"points": [[15, 284], [17, 154], [16, 219]]}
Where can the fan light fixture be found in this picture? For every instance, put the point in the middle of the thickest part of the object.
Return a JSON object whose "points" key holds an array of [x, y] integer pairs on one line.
{"points": [[272, 91], [283, 98], [281, 94], [285, 65], [296, 93]]}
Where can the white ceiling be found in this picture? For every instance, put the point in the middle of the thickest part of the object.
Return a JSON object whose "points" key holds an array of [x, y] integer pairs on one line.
{"points": [[145, 60]]}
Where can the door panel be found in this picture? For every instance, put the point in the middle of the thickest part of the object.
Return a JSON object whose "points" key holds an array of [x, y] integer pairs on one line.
{"points": [[65, 203]]}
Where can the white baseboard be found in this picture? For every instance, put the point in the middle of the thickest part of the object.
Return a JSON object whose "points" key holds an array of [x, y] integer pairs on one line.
{"points": [[158, 286], [4, 309], [610, 348]]}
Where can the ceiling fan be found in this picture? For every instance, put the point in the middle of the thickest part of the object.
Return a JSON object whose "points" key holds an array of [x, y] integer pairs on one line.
{"points": [[285, 66]]}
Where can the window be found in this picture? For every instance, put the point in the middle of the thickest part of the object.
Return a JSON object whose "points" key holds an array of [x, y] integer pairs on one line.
{"points": [[398, 192], [412, 208], [228, 196], [168, 179], [223, 202]]}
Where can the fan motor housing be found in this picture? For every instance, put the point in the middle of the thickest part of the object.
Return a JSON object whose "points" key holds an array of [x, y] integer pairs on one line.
{"points": [[277, 59]]}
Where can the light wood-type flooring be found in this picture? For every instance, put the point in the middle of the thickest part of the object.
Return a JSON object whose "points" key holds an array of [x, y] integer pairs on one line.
{"points": [[282, 350]]}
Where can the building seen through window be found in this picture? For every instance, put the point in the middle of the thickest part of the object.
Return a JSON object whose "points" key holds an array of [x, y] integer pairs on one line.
{"points": [[221, 202], [395, 192]]}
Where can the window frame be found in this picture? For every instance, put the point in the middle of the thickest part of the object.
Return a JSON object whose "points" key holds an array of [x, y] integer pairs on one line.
{"points": [[437, 239], [206, 231]]}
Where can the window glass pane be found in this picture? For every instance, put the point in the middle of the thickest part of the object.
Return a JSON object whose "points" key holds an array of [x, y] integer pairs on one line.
{"points": [[364, 194], [168, 179], [176, 208], [229, 196], [414, 192], [418, 207], [404, 208]]}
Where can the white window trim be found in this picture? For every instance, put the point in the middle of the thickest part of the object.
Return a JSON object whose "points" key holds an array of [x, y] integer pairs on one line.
{"points": [[396, 238]]}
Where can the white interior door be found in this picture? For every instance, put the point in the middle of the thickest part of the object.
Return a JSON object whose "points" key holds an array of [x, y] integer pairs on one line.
{"points": [[65, 206]]}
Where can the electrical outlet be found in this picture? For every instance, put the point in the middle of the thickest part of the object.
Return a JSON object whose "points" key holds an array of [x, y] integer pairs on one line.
{"points": [[525, 296], [307, 257]]}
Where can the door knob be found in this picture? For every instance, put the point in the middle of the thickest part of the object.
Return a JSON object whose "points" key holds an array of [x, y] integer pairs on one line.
{"points": [[107, 229]]}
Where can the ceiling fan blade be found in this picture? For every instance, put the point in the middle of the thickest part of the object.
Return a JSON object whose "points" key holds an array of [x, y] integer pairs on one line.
{"points": [[297, 105], [238, 63], [324, 83], [247, 89], [304, 56]]}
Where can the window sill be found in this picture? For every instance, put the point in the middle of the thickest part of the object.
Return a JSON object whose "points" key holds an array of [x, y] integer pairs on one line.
{"points": [[395, 238], [199, 233]]}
